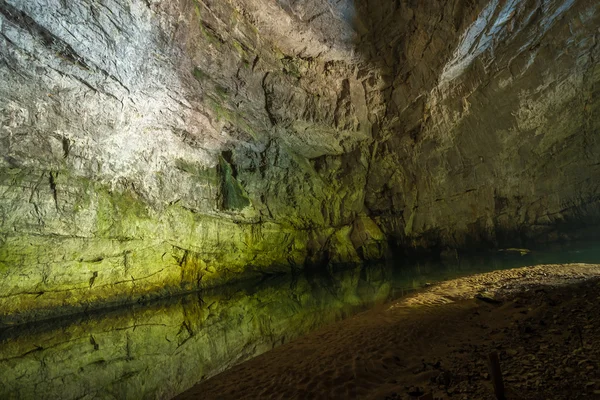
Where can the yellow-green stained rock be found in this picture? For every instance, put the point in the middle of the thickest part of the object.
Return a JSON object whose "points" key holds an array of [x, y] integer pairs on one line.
{"points": [[151, 148]]}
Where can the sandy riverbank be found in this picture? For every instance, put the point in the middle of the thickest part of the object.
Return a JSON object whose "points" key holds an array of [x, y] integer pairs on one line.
{"points": [[544, 325]]}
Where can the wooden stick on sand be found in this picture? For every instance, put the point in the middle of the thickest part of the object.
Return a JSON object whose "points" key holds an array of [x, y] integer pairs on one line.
{"points": [[496, 374]]}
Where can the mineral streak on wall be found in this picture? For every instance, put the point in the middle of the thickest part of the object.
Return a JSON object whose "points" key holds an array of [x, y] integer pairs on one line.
{"points": [[149, 148]]}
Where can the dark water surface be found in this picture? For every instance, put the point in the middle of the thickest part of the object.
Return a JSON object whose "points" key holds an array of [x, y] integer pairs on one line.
{"points": [[158, 350]]}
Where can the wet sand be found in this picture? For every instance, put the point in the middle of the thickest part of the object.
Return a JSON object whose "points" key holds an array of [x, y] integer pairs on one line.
{"points": [[542, 321]]}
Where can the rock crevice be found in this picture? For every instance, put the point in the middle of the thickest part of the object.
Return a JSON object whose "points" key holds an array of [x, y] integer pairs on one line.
{"points": [[211, 141]]}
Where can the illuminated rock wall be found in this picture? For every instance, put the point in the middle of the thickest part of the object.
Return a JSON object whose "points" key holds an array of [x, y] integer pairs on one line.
{"points": [[149, 148]]}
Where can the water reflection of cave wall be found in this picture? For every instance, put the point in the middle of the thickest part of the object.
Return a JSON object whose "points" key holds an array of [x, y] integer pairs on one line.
{"points": [[161, 350]]}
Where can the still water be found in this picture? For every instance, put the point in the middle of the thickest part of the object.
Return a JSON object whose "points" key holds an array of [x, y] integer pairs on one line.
{"points": [[158, 350]]}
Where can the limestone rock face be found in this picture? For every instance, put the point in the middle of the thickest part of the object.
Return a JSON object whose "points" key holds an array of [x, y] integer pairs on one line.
{"points": [[149, 148]]}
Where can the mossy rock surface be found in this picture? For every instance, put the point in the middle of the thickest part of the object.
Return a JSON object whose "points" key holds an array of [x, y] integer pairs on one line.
{"points": [[152, 148]]}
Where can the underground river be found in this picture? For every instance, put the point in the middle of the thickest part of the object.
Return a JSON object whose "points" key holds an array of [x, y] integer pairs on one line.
{"points": [[160, 349]]}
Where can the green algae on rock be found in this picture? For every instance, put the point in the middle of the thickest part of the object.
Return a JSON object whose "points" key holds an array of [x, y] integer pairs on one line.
{"points": [[169, 146]]}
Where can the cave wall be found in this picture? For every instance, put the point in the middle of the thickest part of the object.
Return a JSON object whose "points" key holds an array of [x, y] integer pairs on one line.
{"points": [[150, 148], [506, 151]]}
